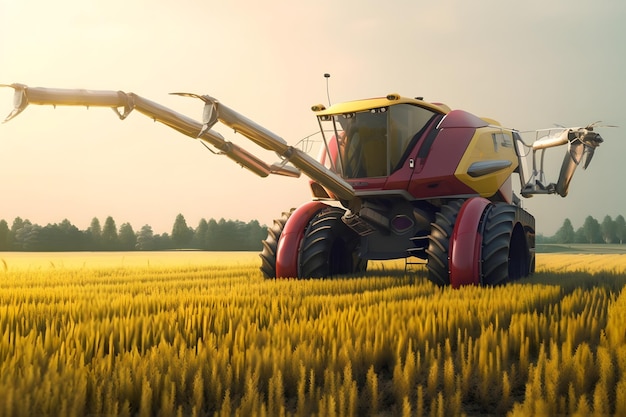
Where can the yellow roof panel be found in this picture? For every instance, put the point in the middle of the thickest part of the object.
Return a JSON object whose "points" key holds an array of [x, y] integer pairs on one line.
{"points": [[374, 103]]}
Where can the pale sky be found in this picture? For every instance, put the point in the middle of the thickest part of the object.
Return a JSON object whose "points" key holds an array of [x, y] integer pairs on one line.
{"points": [[529, 65]]}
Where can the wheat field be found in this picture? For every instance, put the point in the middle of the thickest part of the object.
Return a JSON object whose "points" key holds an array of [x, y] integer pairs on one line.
{"points": [[203, 334]]}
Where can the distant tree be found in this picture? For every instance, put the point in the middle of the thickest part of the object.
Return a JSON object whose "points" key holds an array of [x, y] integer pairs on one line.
{"points": [[229, 235], [127, 237], [17, 224], [110, 239], [5, 233], [163, 242], [620, 229], [181, 233], [566, 233], [255, 234], [95, 233], [212, 235], [226, 235], [607, 228], [50, 239], [27, 237], [145, 238], [59, 237], [71, 236], [591, 230], [201, 235]]}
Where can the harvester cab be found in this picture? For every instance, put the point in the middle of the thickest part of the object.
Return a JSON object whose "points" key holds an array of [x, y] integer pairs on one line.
{"points": [[395, 177], [370, 138]]}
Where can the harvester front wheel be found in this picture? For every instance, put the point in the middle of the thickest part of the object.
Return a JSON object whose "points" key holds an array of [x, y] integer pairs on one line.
{"points": [[329, 247], [505, 253], [270, 245], [439, 243]]}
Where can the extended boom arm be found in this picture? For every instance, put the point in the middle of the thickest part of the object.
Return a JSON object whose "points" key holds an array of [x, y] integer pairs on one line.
{"points": [[213, 112], [581, 142], [128, 101]]}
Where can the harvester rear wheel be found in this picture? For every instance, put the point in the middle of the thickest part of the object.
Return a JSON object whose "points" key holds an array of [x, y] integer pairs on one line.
{"points": [[329, 247], [439, 243], [270, 245], [505, 254]]}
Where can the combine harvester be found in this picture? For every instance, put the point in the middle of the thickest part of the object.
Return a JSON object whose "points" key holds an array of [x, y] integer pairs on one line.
{"points": [[404, 178]]}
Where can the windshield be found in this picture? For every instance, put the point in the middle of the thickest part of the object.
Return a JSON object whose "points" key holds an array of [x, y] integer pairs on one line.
{"points": [[376, 142]]}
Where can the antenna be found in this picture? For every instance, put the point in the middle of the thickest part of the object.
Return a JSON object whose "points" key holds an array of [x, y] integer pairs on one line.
{"points": [[327, 76]]}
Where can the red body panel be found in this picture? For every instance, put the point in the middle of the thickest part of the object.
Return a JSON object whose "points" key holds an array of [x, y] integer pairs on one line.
{"points": [[434, 173], [461, 118], [289, 243], [466, 242]]}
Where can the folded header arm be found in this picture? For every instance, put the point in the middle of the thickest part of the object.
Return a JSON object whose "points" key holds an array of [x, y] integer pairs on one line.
{"points": [[124, 103], [581, 144]]}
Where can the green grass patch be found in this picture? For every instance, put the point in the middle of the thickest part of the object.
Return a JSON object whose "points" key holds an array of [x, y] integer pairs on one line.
{"points": [[581, 248]]}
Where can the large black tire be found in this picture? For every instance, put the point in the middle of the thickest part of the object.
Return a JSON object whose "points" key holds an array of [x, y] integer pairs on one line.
{"points": [[270, 245], [329, 247], [505, 254], [439, 243]]}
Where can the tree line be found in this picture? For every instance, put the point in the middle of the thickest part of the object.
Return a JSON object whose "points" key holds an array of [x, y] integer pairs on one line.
{"points": [[222, 235], [592, 231], [212, 235]]}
